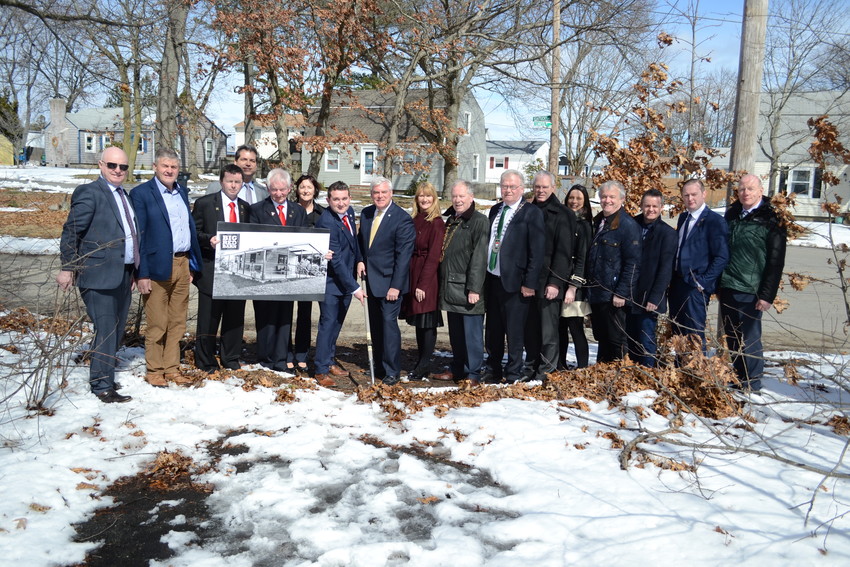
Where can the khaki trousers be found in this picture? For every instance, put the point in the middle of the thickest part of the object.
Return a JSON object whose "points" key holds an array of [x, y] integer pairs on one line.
{"points": [[166, 308]]}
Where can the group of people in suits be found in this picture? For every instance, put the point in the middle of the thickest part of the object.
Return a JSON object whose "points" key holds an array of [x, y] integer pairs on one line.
{"points": [[534, 268], [637, 268]]}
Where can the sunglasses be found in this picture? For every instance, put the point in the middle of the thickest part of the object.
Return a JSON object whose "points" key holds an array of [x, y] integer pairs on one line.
{"points": [[121, 166]]}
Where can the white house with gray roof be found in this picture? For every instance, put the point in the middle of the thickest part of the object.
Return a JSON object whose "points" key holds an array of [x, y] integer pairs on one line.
{"points": [[77, 138], [513, 154]]}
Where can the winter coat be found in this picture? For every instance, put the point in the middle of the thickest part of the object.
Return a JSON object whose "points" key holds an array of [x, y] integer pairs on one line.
{"points": [[757, 251], [560, 225], [658, 255], [464, 264], [613, 260], [423, 266], [584, 234]]}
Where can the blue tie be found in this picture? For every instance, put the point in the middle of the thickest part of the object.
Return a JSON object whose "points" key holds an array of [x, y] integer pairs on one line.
{"points": [[682, 243]]}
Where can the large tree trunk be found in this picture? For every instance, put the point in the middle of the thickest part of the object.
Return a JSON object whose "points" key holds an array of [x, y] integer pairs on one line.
{"points": [[281, 130], [169, 73], [316, 153]]}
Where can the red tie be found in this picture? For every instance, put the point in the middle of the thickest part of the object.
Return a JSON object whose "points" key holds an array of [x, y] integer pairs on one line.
{"points": [[345, 222], [281, 215], [233, 212]]}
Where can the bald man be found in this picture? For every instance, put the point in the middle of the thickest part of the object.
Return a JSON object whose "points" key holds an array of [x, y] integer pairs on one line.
{"points": [[99, 250], [750, 281]]}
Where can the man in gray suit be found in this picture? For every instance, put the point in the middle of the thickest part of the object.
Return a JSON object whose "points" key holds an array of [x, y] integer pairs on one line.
{"points": [[99, 251], [252, 191]]}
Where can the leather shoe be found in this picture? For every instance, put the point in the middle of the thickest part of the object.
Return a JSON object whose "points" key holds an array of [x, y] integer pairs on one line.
{"points": [[325, 380], [111, 397], [156, 380], [390, 380], [444, 377], [178, 378], [337, 371]]}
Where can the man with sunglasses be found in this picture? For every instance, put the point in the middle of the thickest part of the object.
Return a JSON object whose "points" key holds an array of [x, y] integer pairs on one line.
{"points": [[99, 251], [169, 254]]}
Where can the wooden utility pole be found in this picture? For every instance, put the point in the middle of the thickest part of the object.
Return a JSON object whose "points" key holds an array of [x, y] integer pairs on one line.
{"points": [[554, 136], [750, 68]]}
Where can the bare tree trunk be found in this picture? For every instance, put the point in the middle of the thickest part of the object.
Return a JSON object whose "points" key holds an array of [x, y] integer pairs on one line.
{"points": [[749, 88], [169, 73], [555, 108], [248, 71], [281, 130]]}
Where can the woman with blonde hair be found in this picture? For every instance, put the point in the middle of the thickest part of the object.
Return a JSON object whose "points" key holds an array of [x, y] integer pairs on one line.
{"points": [[419, 306]]}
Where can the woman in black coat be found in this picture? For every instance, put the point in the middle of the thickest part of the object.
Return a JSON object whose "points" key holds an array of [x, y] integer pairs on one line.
{"points": [[575, 306], [307, 188]]}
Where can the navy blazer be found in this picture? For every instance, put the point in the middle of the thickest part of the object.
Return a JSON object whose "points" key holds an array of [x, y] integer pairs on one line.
{"points": [[341, 277], [92, 243], [388, 259], [265, 212], [207, 212], [523, 247], [156, 247], [705, 251], [657, 257]]}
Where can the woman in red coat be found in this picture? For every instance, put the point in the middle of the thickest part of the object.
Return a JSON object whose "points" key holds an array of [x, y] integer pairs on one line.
{"points": [[419, 306]]}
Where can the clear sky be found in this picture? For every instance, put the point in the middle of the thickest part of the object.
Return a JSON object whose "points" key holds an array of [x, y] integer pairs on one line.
{"points": [[719, 36]]}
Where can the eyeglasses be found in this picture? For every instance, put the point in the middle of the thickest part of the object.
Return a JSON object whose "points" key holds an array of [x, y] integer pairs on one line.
{"points": [[111, 165]]}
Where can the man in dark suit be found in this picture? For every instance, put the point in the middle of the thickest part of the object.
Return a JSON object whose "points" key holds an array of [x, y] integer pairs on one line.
{"points": [[514, 260], [274, 318], [703, 252], [251, 191], [209, 210], [169, 254], [541, 334], [99, 251], [340, 284], [386, 243], [656, 268]]}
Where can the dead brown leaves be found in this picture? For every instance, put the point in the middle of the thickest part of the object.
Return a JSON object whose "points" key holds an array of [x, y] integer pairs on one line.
{"points": [[783, 205], [172, 470], [398, 402], [799, 281], [840, 424], [41, 216], [699, 386], [262, 378], [22, 320]]}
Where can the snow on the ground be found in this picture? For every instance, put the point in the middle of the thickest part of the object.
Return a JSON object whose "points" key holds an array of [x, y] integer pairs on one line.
{"points": [[535, 482], [64, 180]]}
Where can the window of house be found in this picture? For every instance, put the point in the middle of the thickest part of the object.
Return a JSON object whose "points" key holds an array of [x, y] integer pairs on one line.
{"points": [[467, 122], [805, 181], [500, 162], [143, 145], [475, 160], [89, 143], [332, 160], [105, 140], [209, 148]]}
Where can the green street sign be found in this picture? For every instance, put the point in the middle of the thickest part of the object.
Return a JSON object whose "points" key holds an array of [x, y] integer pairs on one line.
{"points": [[542, 121]]}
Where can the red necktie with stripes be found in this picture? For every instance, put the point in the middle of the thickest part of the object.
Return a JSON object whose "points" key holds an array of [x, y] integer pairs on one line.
{"points": [[232, 212], [281, 215]]}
